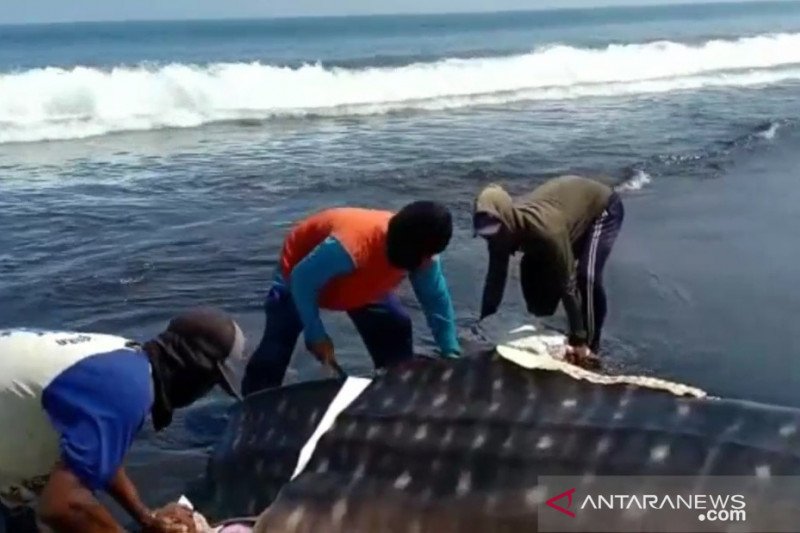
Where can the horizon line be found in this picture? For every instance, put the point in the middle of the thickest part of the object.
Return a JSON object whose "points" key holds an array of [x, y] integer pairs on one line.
{"points": [[610, 6]]}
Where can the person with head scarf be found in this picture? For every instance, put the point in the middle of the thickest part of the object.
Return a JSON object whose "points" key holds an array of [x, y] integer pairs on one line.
{"points": [[565, 230], [352, 260], [71, 405]]}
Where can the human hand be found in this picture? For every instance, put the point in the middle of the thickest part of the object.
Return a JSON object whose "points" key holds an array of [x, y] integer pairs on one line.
{"points": [[172, 518], [581, 356], [323, 351]]}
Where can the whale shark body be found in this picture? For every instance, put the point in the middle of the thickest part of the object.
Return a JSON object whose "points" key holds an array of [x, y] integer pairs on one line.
{"points": [[461, 445]]}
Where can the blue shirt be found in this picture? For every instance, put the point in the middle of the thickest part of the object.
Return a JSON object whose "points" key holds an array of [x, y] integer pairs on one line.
{"points": [[97, 406], [330, 259]]}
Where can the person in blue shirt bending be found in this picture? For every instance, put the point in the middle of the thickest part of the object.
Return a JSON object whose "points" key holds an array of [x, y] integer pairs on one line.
{"points": [[353, 259], [71, 405]]}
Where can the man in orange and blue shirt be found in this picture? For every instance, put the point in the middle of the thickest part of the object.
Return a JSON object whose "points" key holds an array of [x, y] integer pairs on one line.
{"points": [[352, 260]]}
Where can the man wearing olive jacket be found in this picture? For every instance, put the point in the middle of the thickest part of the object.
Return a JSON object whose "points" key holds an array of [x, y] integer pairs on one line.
{"points": [[565, 230]]}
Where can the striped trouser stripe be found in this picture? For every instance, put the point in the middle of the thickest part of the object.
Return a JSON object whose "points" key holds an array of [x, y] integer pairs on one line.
{"points": [[591, 264]]}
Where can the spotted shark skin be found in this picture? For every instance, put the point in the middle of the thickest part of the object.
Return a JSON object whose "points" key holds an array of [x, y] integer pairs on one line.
{"points": [[458, 446], [259, 450]]}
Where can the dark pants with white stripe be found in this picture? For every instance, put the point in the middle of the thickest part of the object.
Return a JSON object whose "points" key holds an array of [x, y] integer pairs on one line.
{"points": [[592, 252]]}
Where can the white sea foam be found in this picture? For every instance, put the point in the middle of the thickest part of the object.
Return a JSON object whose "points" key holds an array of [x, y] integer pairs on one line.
{"points": [[770, 132], [55, 103], [636, 182]]}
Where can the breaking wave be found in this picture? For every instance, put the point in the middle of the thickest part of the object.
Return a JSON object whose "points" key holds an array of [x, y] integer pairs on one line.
{"points": [[56, 103]]}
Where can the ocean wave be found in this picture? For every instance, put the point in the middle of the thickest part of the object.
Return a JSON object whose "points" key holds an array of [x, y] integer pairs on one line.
{"points": [[769, 131], [56, 103], [709, 161], [636, 182]]}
